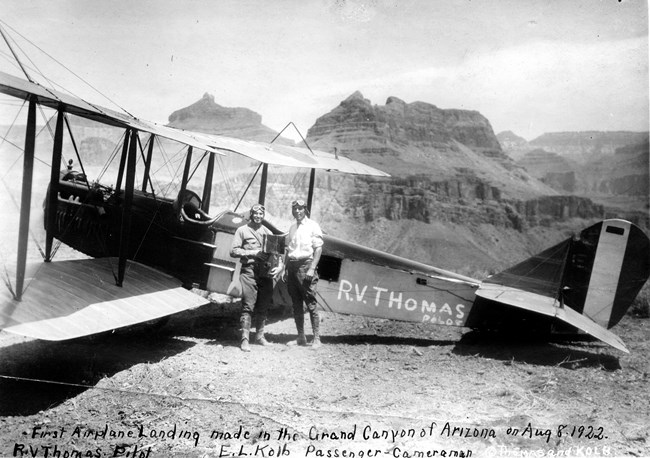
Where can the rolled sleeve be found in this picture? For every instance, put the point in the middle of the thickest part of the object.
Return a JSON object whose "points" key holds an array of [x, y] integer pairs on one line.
{"points": [[317, 238]]}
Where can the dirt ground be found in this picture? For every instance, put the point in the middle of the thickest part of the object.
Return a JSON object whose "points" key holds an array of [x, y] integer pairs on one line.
{"points": [[375, 389]]}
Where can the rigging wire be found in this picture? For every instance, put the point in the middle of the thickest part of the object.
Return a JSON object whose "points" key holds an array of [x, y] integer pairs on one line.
{"points": [[173, 173], [9, 193], [227, 180], [250, 182], [152, 176], [152, 220], [11, 48], [7, 280], [111, 157], [172, 183], [9, 59], [59, 241], [76, 150], [74, 145], [219, 400], [11, 126], [299, 133], [205, 153], [147, 144], [65, 68]]}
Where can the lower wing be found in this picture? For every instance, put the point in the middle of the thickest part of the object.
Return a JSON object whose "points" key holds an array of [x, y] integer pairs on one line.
{"points": [[69, 299]]}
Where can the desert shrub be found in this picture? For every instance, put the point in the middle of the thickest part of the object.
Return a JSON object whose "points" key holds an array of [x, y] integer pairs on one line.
{"points": [[641, 305], [474, 272]]}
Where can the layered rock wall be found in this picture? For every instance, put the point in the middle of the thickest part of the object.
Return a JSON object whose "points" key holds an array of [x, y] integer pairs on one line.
{"points": [[582, 146], [399, 124], [446, 165], [452, 201]]}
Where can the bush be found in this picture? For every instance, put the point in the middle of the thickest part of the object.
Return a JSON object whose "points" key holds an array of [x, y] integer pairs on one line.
{"points": [[641, 305]]}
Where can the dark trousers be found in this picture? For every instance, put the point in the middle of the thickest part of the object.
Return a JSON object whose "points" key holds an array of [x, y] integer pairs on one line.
{"points": [[300, 288], [257, 291]]}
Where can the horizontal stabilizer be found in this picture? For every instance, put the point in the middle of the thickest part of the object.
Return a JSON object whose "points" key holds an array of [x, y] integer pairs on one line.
{"points": [[548, 306], [69, 299]]}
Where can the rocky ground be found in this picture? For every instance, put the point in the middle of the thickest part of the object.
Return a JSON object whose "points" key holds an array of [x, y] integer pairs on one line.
{"points": [[375, 389]]}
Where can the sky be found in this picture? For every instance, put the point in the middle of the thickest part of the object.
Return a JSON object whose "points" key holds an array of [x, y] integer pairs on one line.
{"points": [[529, 66]]}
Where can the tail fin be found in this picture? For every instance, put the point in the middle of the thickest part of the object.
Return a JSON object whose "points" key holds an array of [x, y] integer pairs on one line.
{"points": [[597, 273]]}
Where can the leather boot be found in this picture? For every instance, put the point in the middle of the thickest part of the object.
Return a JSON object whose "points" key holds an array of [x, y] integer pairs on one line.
{"points": [[299, 318], [315, 327], [259, 334], [245, 322]]}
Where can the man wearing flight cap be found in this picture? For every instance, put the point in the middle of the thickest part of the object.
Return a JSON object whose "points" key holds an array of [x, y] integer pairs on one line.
{"points": [[257, 288], [304, 246]]}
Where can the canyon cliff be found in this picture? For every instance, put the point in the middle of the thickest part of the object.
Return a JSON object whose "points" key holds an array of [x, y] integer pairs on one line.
{"points": [[455, 198], [446, 165], [608, 167], [459, 196]]}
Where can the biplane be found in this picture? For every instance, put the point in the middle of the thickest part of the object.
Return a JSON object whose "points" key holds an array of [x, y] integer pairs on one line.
{"points": [[145, 251]]}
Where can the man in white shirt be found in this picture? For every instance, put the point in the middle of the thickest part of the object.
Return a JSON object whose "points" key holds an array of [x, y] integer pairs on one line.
{"points": [[304, 247]]}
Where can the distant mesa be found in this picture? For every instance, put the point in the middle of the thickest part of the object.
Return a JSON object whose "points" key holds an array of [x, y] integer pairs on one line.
{"points": [[399, 122], [455, 148], [508, 140], [580, 146], [587, 146], [596, 141], [448, 168], [357, 95], [212, 114], [585, 163], [551, 161], [551, 168], [625, 172], [207, 116]]}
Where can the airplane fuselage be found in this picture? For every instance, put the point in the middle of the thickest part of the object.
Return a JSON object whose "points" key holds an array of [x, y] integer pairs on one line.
{"points": [[353, 279], [356, 280]]}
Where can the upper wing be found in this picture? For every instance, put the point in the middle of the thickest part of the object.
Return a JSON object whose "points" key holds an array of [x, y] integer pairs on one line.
{"points": [[70, 299], [281, 155], [22, 89], [287, 156]]}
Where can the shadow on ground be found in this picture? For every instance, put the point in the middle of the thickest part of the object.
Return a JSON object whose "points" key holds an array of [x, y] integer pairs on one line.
{"points": [[38, 375], [567, 353], [362, 339]]}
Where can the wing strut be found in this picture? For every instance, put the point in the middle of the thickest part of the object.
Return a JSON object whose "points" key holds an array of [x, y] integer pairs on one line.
{"points": [[207, 187], [120, 173], [128, 203], [26, 197], [265, 175], [52, 202], [186, 175], [310, 194], [147, 164]]}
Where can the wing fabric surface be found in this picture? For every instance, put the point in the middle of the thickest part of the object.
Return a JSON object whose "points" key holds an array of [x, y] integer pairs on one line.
{"points": [[281, 155], [70, 299], [287, 156], [51, 98]]}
